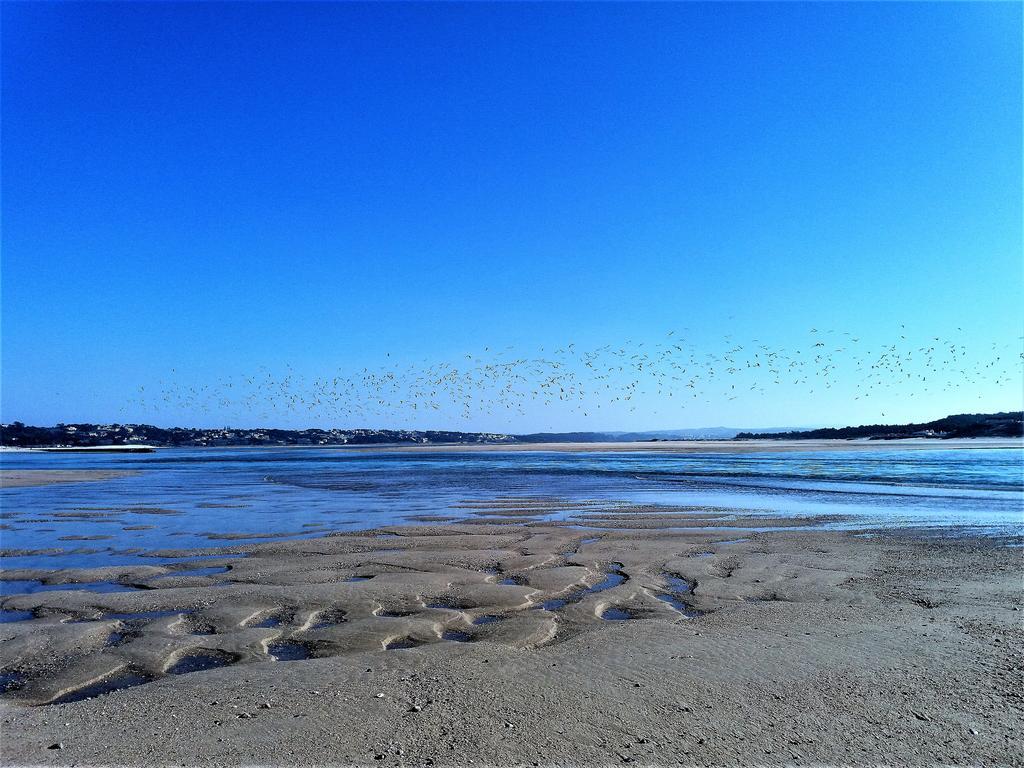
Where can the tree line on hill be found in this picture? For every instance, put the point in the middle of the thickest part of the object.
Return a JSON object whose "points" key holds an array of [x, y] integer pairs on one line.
{"points": [[20, 435], [1009, 424]]}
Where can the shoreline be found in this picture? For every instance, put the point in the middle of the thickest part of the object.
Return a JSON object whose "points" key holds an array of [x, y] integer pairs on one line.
{"points": [[657, 446], [737, 647]]}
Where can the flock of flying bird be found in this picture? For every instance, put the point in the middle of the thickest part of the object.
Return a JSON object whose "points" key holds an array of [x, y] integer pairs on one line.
{"points": [[671, 373]]}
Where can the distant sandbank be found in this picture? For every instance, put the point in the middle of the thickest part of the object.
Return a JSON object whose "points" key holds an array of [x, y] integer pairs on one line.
{"points": [[717, 446], [27, 478]]}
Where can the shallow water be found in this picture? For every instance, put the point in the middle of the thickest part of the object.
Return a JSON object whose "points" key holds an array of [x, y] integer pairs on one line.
{"points": [[11, 681], [288, 650], [189, 498], [402, 644], [616, 614], [115, 682], [7, 615], [26, 587], [270, 621], [613, 578], [199, 661], [677, 587]]}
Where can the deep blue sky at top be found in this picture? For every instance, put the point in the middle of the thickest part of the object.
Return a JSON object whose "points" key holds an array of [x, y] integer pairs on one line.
{"points": [[212, 188]]}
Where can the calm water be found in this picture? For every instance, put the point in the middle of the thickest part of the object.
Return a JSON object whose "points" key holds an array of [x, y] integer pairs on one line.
{"points": [[187, 497]]}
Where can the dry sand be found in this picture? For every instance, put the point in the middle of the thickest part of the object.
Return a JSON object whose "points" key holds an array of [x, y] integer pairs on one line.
{"points": [[789, 647]]}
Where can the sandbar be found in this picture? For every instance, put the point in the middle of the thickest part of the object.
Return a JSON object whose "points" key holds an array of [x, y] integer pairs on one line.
{"points": [[27, 478]]}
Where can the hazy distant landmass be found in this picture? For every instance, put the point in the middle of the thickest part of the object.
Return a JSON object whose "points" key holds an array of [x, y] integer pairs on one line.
{"points": [[18, 435], [87, 435], [91, 435], [1010, 424]]}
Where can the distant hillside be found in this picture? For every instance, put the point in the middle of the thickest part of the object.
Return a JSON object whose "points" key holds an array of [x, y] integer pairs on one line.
{"points": [[961, 425], [81, 435], [18, 435]]}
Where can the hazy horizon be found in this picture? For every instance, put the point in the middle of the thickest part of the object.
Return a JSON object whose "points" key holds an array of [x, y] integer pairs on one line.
{"points": [[352, 427]]}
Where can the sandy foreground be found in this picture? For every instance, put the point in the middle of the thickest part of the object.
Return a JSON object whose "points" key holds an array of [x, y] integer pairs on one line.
{"points": [[730, 647]]}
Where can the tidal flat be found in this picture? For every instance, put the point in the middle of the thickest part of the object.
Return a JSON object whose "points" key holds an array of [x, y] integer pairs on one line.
{"points": [[528, 643], [311, 606]]}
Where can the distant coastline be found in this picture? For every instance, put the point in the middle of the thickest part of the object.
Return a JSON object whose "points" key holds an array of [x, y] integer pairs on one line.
{"points": [[145, 437]]}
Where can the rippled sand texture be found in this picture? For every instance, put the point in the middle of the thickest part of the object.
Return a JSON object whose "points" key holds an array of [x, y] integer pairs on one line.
{"points": [[507, 643]]}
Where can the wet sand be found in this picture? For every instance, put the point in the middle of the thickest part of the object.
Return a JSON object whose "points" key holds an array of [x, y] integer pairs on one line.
{"points": [[528, 643], [28, 478]]}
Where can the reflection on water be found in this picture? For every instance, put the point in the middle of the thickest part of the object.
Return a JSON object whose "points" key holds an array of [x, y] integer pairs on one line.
{"points": [[186, 498]]}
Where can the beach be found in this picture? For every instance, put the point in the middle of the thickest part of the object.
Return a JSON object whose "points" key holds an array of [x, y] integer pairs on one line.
{"points": [[457, 385], [676, 643]]}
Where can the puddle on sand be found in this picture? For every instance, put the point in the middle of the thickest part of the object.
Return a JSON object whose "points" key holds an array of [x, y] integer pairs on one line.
{"points": [[513, 581], [115, 682], [197, 662], [557, 603], [456, 636], [613, 578], [489, 619], [11, 681], [289, 650], [616, 614], [730, 541], [275, 619], [678, 586], [358, 578], [401, 643], [9, 616]]}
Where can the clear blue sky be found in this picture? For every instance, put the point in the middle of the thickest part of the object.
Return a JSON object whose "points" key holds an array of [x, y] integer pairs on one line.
{"points": [[214, 188]]}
